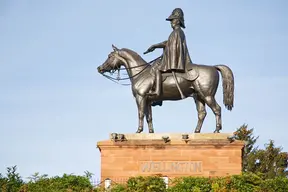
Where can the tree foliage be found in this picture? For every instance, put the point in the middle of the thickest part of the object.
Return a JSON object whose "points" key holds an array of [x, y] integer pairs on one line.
{"points": [[42, 183], [246, 182], [269, 162], [247, 135], [12, 182]]}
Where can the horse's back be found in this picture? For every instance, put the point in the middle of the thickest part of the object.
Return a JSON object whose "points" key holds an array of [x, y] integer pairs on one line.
{"points": [[203, 69]]}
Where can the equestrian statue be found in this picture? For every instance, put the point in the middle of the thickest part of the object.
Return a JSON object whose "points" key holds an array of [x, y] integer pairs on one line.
{"points": [[173, 76]]}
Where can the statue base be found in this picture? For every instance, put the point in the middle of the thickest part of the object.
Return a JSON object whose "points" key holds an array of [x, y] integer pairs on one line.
{"points": [[169, 155]]}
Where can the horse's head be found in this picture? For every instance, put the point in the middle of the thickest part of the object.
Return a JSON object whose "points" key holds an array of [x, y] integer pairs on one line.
{"points": [[113, 62]]}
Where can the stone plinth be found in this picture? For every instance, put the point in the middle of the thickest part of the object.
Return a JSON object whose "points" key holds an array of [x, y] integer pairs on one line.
{"points": [[148, 154]]}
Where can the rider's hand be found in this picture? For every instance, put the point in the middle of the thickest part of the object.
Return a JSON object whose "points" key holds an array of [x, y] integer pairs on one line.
{"points": [[150, 49]]}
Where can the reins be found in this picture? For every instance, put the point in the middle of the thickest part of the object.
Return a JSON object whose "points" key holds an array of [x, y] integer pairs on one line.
{"points": [[120, 79]]}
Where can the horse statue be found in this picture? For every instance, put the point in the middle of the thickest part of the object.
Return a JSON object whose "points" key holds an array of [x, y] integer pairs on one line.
{"points": [[200, 82]]}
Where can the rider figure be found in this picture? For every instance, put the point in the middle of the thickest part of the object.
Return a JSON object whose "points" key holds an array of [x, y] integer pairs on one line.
{"points": [[175, 54]]}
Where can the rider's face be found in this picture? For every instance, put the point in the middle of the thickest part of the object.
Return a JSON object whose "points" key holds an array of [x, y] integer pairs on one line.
{"points": [[174, 23]]}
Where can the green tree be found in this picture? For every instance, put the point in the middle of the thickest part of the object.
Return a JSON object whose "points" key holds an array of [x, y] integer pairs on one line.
{"points": [[3, 182], [269, 162], [12, 182], [146, 184], [36, 177], [88, 175], [247, 135]]}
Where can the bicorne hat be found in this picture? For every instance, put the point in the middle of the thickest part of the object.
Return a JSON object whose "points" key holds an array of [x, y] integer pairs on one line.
{"points": [[177, 14]]}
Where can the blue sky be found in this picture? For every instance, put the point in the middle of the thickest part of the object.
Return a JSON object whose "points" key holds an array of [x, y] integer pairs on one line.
{"points": [[54, 106]]}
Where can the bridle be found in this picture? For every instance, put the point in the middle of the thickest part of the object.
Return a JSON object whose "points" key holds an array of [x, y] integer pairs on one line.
{"points": [[121, 79]]}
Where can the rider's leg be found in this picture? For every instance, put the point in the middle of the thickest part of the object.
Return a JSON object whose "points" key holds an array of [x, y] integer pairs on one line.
{"points": [[158, 83], [177, 84]]}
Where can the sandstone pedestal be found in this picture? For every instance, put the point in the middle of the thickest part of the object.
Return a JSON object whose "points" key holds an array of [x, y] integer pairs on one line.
{"points": [[143, 154]]}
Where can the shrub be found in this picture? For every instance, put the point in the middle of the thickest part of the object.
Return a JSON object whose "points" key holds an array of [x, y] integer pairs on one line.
{"points": [[193, 184], [279, 184], [146, 184], [12, 182], [59, 184], [246, 182]]}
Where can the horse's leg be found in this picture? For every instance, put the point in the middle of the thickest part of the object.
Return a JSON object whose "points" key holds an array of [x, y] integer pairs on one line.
{"points": [[149, 117], [200, 106], [211, 102], [141, 104]]}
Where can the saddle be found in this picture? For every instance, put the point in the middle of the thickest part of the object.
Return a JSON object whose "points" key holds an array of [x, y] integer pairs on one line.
{"points": [[191, 73]]}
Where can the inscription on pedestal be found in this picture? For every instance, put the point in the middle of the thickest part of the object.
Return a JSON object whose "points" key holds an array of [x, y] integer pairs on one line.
{"points": [[171, 166]]}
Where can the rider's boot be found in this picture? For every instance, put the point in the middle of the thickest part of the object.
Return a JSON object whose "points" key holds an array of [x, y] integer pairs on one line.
{"points": [[177, 84], [158, 83]]}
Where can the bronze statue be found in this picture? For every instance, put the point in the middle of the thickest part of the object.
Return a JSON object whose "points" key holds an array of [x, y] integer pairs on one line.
{"points": [[178, 78], [176, 54]]}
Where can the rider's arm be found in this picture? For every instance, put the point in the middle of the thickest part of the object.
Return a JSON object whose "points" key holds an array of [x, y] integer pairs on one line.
{"points": [[153, 47], [161, 45]]}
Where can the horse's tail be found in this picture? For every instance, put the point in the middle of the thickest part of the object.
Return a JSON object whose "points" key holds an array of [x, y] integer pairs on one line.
{"points": [[228, 85]]}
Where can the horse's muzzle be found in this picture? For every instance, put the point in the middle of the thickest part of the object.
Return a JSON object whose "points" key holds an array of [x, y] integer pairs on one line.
{"points": [[99, 70]]}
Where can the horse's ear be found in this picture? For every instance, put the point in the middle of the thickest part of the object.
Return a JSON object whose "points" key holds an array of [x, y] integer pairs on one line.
{"points": [[115, 48]]}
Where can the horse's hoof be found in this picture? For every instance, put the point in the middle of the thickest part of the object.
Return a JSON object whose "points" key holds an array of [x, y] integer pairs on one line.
{"points": [[197, 131], [218, 128], [151, 131], [139, 130]]}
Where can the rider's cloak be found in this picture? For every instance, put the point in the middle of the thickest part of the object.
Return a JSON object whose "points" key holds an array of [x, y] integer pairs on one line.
{"points": [[176, 55]]}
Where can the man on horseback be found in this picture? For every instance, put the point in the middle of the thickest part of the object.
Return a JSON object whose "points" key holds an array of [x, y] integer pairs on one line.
{"points": [[175, 52]]}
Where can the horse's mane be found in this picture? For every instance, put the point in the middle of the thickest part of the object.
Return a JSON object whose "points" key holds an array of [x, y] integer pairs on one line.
{"points": [[133, 55]]}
